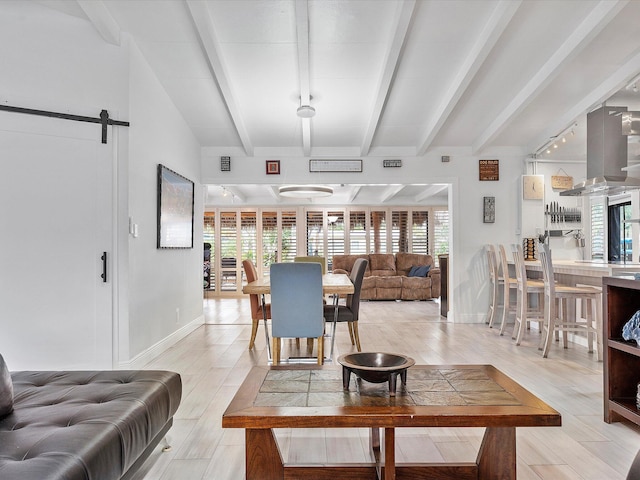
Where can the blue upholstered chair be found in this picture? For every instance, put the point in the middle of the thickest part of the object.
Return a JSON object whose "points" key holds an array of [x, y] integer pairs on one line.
{"points": [[296, 305], [350, 311]]}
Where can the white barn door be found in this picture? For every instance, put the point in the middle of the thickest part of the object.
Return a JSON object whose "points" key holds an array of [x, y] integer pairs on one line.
{"points": [[56, 216]]}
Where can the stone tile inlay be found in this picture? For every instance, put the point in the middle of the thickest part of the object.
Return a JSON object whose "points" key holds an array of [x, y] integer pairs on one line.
{"points": [[425, 387]]}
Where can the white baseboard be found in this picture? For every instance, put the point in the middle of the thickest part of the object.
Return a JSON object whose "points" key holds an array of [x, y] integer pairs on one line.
{"points": [[143, 358]]}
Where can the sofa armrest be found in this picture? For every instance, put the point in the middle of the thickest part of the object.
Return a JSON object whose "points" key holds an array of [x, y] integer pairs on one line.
{"points": [[339, 270], [434, 273]]}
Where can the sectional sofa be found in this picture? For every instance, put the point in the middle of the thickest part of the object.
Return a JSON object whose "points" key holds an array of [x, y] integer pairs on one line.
{"points": [[393, 276], [82, 425]]}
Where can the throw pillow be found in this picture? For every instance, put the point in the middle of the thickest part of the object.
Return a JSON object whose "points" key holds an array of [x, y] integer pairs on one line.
{"points": [[419, 271], [6, 390]]}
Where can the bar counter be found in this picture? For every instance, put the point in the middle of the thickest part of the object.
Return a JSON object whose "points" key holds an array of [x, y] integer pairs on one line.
{"points": [[584, 272]]}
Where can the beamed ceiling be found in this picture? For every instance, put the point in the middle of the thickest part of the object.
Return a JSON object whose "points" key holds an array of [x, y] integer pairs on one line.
{"points": [[386, 77]]}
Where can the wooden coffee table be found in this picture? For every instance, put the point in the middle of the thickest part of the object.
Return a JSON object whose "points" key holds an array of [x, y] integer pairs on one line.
{"points": [[309, 396]]}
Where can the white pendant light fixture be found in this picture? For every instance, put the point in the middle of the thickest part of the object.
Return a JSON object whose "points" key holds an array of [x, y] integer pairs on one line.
{"points": [[306, 111], [305, 191]]}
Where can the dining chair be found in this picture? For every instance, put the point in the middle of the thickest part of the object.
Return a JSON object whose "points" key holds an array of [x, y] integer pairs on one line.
{"points": [[257, 313], [508, 284], [525, 313], [350, 311], [313, 259], [296, 305], [558, 317]]}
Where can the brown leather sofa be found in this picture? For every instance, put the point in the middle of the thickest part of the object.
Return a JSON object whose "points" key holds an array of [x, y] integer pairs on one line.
{"points": [[76, 425], [387, 276]]}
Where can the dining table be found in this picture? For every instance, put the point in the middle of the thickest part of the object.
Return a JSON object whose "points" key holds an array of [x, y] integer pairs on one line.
{"points": [[334, 284]]}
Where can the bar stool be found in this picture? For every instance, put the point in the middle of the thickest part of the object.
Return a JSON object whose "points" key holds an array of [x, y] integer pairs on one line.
{"points": [[508, 284], [556, 297], [492, 262], [526, 286]]}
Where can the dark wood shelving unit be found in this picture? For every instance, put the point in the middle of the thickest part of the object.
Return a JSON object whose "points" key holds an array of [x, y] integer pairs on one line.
{"points": [[621, 358]]}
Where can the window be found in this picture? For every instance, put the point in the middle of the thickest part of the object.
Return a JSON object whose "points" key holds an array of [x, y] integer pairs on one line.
{"points": [[315, 234], [357, 233], [399, 231], [269, 240], [289, 237], [228, 251], [378, 233], [248, 238], [597, 230], [335, 235], [420, 231], [440, 232]]}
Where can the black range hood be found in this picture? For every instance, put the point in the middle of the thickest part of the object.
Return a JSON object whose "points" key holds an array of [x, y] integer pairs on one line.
{"points": [[606, 156]]}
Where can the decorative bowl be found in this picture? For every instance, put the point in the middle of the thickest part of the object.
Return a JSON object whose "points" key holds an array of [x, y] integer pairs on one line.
{"points": [[375, 367]]}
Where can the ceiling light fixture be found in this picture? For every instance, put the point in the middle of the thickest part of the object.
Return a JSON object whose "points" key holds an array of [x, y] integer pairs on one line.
{"points": [[305, 191], [306, 111], [552, 143]]}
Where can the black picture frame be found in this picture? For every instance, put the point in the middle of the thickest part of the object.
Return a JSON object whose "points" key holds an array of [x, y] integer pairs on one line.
{"points": [[175, 209]]}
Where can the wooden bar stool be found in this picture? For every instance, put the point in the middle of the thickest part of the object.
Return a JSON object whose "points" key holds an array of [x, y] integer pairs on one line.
{"points": [[556, 319], [526, 286], [492, 262], [508, 284]]}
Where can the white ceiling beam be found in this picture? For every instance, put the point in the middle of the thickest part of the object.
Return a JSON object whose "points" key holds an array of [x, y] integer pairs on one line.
{"points": [[302, 32], [102, 20], [354, 193], [590, 27], [392, 60], [209, 42], [596, 97], [274, 191], [500, 18], [429, 191], [390, 192], [236, 193]]}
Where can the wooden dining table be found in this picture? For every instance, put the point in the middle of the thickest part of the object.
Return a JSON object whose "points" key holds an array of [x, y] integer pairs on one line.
{"points": [[335, 284]]}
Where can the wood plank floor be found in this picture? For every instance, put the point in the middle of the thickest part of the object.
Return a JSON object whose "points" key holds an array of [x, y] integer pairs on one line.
{"points": [[214, 360]]}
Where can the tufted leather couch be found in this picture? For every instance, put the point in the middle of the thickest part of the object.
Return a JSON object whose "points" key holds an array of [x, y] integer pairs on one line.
{"points": [[75, 425], [386, 276]]}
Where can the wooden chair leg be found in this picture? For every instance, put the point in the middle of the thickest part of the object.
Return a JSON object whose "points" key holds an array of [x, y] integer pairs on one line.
{"points": [[320, 349], [350, 327], [356, 335], [254, 332], [276, 350], [309, 345]]}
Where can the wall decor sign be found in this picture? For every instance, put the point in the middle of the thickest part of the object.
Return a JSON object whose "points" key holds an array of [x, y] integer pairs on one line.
{"points": [[391, 163], [335, 165], [561, 182], [273, 167], [225, 164], [489, 210], [489, 170]]}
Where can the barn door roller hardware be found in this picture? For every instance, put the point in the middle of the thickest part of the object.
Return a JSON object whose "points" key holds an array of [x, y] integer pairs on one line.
{"points": [[103, 119]]}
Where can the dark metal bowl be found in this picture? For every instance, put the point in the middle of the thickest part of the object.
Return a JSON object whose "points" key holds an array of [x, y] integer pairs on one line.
{"points": [[375, 367]]}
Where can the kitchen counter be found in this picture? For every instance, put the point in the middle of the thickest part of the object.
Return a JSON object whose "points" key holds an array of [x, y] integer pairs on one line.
{"points": [[586, 272]]}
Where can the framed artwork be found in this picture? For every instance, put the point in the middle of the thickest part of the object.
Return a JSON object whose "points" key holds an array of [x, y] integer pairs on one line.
{"points": [[273, 167], [175, 209], [532, 187], [489, 210], [335, 165]]}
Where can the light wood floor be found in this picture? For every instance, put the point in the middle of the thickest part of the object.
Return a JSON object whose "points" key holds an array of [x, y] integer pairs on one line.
{"points": [[214, 360]]}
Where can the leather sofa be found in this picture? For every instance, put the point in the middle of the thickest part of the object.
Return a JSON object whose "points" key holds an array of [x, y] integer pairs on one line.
{"points": [[81, 425], [387, 276]]}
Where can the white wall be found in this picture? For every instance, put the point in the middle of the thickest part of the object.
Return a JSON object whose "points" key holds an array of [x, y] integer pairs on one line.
{"points": [[165, 285], [469, 289]]}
